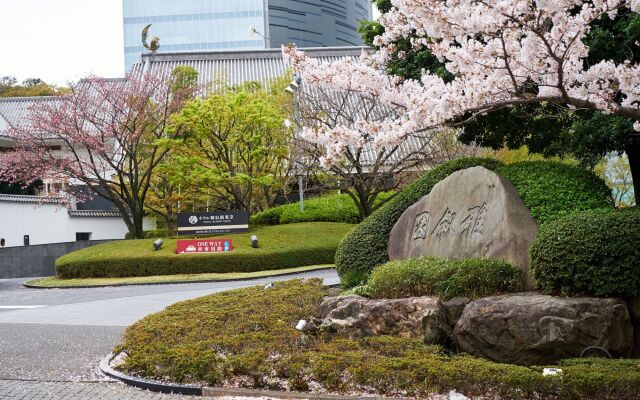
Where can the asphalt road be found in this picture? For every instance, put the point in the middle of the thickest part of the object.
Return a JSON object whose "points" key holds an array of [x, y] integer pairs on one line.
{"points": [[60, 335]]}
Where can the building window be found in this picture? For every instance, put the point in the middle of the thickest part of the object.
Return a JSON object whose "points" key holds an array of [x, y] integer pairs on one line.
{"points": [[26, 240], [83, 236], [2, 243]]}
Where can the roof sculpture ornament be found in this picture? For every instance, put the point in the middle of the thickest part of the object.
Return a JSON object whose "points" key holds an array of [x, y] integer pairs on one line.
{"points": [[154, 45]]}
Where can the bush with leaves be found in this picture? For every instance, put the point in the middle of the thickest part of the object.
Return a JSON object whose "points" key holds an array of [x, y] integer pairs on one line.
{"points": [[589, 253], [329, 208], [433, 276], [552, 190]]}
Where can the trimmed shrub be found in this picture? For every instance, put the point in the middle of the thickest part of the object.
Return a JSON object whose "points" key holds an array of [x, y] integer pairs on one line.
{"points": [[432, 276], [330, 208], [594, 252], [552, 190], [366, 245], [152, 234], [248, 336], [267, 217], [281, 246], [549, 189]]}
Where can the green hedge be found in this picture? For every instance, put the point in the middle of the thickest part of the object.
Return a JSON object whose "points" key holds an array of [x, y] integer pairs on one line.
{"points": [[432, 276], [594, 252], [248, 336], [329, 208], [549, 189], [552, 190], [281, 246], [151, 234]]}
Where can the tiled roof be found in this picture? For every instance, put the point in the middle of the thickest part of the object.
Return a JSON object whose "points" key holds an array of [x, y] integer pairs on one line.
{"points": [[229, 68], [236, 67], [93, 213], [14, 110], [12, 198], [4, 124]]}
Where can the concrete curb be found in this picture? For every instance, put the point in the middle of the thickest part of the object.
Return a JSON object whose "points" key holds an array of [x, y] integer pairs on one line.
{"points": [[28, 286], [147, 384], [156, 386]]}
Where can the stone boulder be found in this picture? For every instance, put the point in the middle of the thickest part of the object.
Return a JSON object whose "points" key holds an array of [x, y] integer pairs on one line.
{"points": [[473, 213], [452, 311], [531, 328], [355, 316]]}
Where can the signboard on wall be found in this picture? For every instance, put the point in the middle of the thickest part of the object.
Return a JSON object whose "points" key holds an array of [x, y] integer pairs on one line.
{"points": [[200, 246], [212, 223]]}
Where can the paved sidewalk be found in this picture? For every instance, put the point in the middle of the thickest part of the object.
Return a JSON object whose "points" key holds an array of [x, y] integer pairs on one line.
{"points": [[54, 352], [27, 390]]}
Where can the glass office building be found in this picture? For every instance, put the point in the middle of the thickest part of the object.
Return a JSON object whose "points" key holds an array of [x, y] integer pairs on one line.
{"points": [[201, 25]]}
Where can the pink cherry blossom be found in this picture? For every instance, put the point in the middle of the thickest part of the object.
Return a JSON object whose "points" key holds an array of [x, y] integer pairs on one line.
{"points": [[493, 48], [104, 136]]}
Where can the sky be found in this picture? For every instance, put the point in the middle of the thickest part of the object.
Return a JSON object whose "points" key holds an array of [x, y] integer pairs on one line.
{"points": [[61, 41]]}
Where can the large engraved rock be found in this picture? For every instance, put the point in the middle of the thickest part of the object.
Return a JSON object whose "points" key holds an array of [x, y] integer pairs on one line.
{"points": [[473, 213], [355, 316], [530, 328]]}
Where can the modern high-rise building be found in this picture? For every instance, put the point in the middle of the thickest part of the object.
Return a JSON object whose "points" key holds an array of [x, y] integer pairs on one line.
{"points": [[196, 25]]}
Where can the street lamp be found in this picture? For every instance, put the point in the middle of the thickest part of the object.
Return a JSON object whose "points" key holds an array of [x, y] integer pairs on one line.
{"points": [[293, 88], [253, 31], [294, 85]]}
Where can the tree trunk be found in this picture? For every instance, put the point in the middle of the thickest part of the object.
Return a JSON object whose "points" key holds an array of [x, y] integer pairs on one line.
{"points": [[363, 203], [633, 152], [171, 220], [137, 217], [138, 229]]}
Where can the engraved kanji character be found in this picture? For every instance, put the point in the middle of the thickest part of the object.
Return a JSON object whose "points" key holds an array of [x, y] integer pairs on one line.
{"points": [[421, 225], [474, 221], [445, 225]]}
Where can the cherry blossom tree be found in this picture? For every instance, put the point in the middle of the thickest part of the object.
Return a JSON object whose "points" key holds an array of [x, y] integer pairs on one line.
{"points": [[501, 53], [104, 135], [364, 172]]}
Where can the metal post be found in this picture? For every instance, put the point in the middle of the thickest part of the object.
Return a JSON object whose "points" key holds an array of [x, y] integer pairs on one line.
{"points": [[267, 33], [298, 153], [301, 193]]}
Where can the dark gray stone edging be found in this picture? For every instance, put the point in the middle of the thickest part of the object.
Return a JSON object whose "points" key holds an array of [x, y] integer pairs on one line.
{"points": [[28, 286], [147, 384], [157, 386]]}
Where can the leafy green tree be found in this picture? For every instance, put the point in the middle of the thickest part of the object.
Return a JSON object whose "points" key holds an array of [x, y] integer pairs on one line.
{"points": [[547, 129], [236, 146], [167, 186], [31, 87]]}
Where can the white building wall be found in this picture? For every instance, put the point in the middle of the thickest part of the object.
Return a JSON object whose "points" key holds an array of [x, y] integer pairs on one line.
{"points": [[50, 223]]}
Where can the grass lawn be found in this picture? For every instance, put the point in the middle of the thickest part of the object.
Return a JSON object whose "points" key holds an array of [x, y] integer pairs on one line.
{"points": [[246, 337], [55, 282], [280, 247]]}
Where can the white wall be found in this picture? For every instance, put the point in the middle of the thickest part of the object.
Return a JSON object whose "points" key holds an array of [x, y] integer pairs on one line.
{"points": [[50, 223]]}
